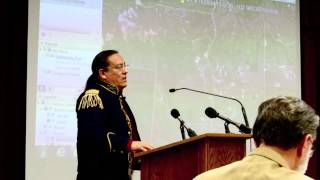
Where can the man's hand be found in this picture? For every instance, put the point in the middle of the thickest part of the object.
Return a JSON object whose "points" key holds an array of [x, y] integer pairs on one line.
{"points": [[140, 146]]}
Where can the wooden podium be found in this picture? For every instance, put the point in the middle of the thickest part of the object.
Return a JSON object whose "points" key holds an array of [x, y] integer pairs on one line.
{"points": [[185, 159]]}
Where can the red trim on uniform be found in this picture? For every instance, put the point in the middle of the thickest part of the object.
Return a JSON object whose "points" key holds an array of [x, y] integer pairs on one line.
{"points": [[129, 145]]}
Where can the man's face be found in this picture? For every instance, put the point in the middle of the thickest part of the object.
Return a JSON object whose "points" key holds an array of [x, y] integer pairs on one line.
{"points": [[116, 72]]}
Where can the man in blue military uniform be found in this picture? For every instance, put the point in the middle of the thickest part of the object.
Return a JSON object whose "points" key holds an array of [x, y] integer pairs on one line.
{"points": [[107, 131]]}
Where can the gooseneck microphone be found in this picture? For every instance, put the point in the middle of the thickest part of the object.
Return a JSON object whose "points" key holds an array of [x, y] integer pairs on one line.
{"points": [[212, 113], [175, 114], [244, 114]]}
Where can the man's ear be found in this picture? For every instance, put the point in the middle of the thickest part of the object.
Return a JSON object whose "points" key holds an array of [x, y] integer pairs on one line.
{"points": [[102, 74], [304, 144]]}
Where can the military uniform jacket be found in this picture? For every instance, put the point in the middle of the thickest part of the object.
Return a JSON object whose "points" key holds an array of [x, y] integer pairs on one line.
{"points": [[105, 126], [262, 164]]}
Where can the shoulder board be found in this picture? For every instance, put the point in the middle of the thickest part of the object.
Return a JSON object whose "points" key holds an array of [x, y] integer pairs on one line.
{"points": [[90, 99]]}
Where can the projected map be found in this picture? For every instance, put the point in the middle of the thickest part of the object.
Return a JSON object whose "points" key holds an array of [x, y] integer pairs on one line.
{"points": [[242, 49]]}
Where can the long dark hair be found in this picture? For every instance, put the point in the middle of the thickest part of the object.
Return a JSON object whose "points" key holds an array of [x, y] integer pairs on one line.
{"points": [[100, 61]]}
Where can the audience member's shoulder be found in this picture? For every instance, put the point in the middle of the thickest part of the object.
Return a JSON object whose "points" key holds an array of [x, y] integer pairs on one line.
{"points": [[297, 176], [217, 173], [287, 174]]}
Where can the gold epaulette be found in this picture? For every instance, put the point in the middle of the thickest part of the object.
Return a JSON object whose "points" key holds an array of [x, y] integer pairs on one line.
{"points": [[90, 99]]}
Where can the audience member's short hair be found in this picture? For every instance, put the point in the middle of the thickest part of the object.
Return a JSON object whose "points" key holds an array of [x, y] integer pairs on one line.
{"points": [[283, 121]]}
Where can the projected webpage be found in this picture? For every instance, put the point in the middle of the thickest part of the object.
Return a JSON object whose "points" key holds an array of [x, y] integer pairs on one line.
{"points": [[69, 36], [248, 50]]}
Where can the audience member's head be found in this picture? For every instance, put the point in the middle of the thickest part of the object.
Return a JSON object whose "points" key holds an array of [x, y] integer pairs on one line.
{"points": [[287, 123]]}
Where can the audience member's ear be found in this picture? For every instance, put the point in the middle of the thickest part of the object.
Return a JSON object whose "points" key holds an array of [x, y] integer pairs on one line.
{"points": [[304, 145]]}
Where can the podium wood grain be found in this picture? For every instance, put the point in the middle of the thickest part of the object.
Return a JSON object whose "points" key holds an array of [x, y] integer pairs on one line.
{"points": [[188, 158]]}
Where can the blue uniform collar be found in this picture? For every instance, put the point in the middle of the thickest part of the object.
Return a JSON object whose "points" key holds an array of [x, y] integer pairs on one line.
{"points": [[110, 87]]}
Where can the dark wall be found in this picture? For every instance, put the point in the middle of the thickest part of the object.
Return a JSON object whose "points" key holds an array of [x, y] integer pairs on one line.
{"points": [[13, 64], [310, 56]]}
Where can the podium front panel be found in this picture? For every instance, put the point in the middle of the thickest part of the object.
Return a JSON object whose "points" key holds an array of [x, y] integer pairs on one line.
{"points": [[186, 160]]}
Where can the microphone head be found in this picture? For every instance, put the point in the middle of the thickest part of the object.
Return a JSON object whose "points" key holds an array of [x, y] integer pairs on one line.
{"points": [[211, 113], [175, 113], [172, 90]]}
